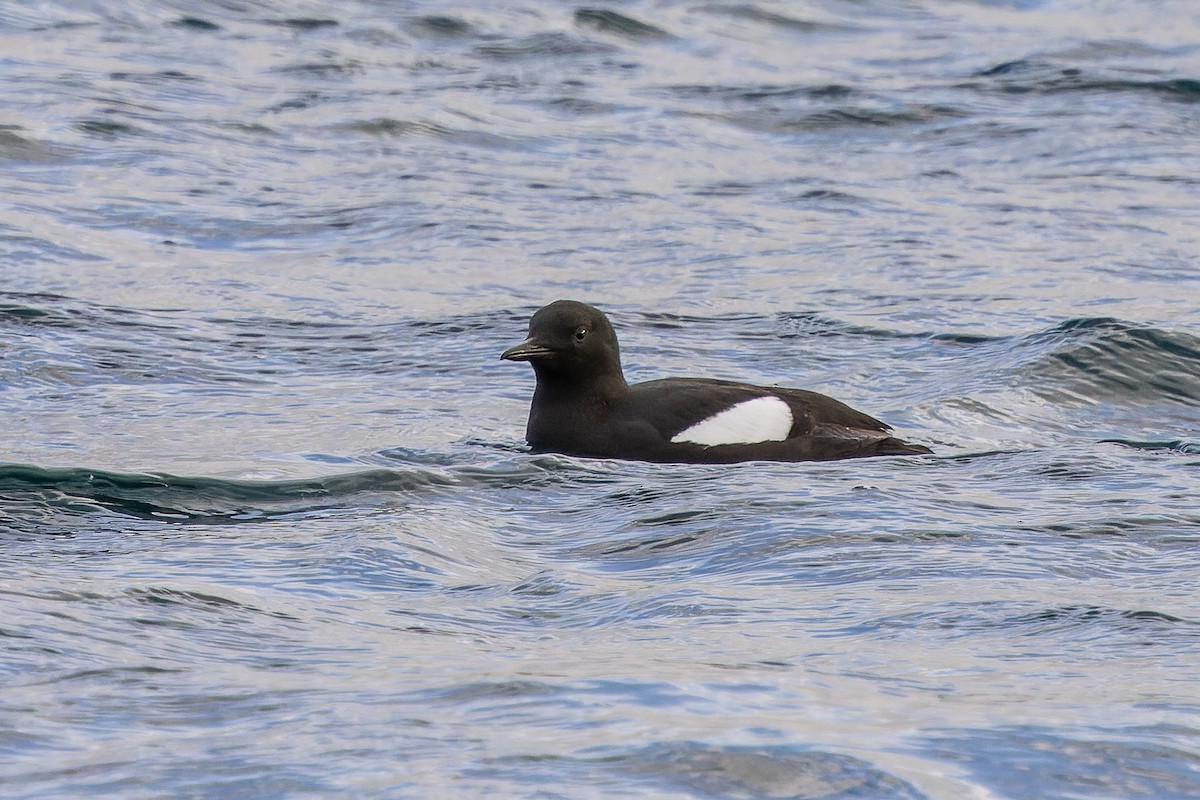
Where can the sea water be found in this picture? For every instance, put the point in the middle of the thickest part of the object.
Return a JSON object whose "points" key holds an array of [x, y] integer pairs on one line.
{"points": [[268, 525]]}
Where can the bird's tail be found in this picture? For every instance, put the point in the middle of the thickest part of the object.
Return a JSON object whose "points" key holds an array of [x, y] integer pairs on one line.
{"points": [[891, 446]]}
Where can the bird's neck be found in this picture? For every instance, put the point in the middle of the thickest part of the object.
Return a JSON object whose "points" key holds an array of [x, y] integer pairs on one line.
{"points": [[603, 389]]}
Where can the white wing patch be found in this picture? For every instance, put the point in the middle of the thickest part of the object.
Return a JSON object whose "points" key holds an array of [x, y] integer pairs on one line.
{"points": [[763, 419]]}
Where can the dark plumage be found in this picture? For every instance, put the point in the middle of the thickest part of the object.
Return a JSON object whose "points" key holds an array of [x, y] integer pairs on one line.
{"points": [[583, 406]]}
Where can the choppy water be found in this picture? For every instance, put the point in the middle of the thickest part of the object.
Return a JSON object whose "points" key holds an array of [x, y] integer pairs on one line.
{"points": [[268, 528]]}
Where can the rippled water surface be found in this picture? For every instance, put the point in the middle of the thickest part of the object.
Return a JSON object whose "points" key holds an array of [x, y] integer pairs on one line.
{"points": [[268, 524]]}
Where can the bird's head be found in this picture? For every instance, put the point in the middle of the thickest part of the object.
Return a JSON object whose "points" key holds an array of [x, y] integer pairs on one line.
{"points": [[569, 340]]}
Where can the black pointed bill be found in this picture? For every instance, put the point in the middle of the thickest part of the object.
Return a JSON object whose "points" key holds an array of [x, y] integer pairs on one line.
{"points": [[527, 350]]}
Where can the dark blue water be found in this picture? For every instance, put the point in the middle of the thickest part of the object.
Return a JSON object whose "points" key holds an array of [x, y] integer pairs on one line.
{"points": [[268, 528]]}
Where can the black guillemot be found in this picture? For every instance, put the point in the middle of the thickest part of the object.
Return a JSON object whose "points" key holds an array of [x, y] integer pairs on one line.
{"points": [[583, 406]]}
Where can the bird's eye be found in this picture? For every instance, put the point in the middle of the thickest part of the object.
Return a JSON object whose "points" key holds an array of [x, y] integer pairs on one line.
{"points": [[581, 334]]}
